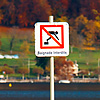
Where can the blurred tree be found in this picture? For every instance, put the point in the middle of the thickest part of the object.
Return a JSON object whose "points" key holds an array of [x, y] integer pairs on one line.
{"points": [[74, 8], [83, 72], [33, 11], [89, 33], [42, 61], [25, 47], [59, 61], [3, 7], [59, 7], [23, 71], [97, 33], [38, 71], [0, 44], [97, 71], [9, 13], [84, 32], [22, 13], [80, 23], [76, 31], [47, 70], [44, 10], [97, 27], [1, 16], [64, 69], [12, 35], [94, 5], [62, 19], [12, 13], [75, 39], [78, 7], [8, 70], [25, 13]]}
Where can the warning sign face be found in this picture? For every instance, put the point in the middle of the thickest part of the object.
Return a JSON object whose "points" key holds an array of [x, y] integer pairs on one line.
{"points": [[51, 39], [51, 36]]}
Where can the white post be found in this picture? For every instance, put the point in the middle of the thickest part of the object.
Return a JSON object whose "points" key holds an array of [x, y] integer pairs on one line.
{"points": [[51, 19], [98, 70], [98, 62], [51, 70], [29, 66], [52, 78]]}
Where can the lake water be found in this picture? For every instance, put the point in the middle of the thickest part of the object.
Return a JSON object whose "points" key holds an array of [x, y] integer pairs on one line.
{"points": [[44, 95], [40, 91]]}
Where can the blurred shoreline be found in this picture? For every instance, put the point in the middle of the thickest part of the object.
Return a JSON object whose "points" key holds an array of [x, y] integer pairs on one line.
{"points": [[74, 80]]}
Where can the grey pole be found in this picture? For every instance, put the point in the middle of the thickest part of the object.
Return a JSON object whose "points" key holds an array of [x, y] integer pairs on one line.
{"points": [[98, 70], [98, 62], [51, 70], [29, 66]]}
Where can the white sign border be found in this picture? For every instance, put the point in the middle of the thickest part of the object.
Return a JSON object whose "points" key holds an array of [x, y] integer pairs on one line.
{"points": [[51, 52]]}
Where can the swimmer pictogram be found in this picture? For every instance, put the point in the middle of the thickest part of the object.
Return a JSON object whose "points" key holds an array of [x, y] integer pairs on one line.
{"points": [[53, 33]]}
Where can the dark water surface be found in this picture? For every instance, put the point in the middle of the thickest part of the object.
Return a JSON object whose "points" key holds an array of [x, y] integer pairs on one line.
{"points": [[40, 91]]}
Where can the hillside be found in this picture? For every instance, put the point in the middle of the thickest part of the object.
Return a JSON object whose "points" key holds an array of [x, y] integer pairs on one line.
{"points": [[87, 59]]}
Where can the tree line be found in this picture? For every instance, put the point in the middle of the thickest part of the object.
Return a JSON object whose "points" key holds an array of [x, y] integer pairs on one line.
{"points": [[63, 69], [82, 15], [25, 13], [6, 70]]}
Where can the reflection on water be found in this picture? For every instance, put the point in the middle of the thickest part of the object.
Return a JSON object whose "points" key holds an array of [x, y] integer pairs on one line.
{"points": [[44, 95], [78, 94], [21, 94], [41, 91]]}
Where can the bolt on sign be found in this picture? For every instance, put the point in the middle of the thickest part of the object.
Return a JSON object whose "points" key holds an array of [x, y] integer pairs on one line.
{"points": [[51, 39]]}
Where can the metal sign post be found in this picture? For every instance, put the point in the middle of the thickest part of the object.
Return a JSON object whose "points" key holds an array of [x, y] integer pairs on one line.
{"points": [[51, 39], [51, 70], [52, 78]]}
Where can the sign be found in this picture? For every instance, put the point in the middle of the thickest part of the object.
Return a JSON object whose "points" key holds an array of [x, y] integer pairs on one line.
{"points": [[52, 32], [51, 39]]}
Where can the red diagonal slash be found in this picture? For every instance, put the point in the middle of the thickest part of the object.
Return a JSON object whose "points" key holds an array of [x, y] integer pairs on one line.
{"points": [[60, 45]]}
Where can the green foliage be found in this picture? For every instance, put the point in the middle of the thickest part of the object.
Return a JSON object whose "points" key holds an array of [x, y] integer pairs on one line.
{"points": [[42, 61], [23, 70], [95, 11], [10, 62], [25, 47], [62, 19], [5, 44], [84, 32], [82, 56], [38, 70], [25, 13], [8, 70], [84, 21]]}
